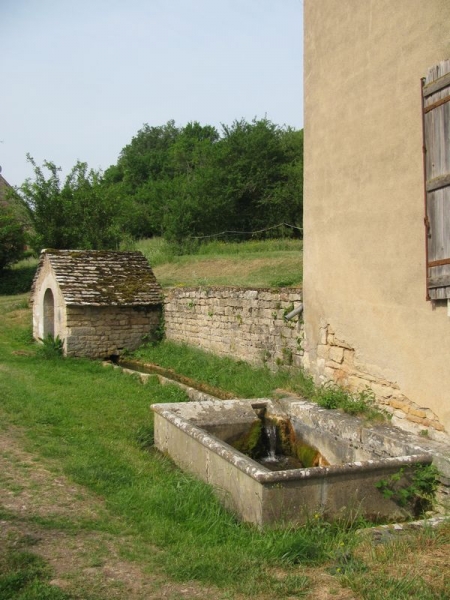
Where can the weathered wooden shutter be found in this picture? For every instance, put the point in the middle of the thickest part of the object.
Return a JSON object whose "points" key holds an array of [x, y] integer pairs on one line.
{"points": [[436, 122]]}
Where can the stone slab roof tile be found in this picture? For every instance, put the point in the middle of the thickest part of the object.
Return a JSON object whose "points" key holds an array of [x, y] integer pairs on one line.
{"points": [[103, 278]]}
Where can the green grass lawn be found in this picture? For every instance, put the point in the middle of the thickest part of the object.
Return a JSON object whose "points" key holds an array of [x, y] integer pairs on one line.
{"points": [[95, 424], [268, 263]]}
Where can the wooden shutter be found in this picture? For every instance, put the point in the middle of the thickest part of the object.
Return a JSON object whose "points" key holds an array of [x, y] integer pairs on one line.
{"points": [[436, 124]]}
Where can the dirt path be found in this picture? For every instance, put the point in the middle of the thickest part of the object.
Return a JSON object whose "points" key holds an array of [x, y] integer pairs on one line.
{"points": [[38, 506]]}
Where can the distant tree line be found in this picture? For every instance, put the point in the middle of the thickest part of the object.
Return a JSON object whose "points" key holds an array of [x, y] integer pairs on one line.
{"points": [[176, 182], [193, 181], [13, 219]]}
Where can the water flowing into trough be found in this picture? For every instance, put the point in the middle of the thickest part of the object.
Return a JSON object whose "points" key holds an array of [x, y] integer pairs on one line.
{"points": [[280, 448], [270, 429]]}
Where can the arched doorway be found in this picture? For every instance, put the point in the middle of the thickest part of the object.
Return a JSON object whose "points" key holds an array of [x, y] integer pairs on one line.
{"points": [[49, 314]]}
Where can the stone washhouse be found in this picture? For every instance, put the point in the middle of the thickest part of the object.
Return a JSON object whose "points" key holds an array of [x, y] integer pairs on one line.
{"points": [[98, 302]]}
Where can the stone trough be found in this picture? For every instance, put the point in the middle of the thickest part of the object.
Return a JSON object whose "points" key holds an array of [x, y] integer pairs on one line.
{"points": [[198, 436]]}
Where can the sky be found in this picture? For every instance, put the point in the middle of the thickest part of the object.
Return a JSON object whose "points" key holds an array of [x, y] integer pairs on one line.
{"points": [[80, 78]]}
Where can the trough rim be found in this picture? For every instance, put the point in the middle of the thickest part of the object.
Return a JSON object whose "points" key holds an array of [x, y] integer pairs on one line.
{"points": [[263, 475]]}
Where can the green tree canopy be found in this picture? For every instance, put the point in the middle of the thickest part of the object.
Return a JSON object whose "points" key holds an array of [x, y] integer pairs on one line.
{"points": [[194, 181], [81, 212], [176, 182]]}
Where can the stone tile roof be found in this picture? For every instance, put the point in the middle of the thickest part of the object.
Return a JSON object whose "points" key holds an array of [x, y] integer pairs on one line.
{"points": [[103, 277]]}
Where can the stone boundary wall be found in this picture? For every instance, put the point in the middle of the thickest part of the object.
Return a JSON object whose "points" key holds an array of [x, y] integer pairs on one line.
{"points": [[103, 331], [246, 324]]}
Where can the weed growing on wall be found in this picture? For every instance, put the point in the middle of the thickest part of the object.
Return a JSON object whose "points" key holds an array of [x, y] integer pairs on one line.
{"points": [[332, 396], [418, 494]]}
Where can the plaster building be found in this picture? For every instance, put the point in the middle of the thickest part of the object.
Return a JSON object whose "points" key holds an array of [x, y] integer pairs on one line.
{"points": [[98, 302], [377, 215]]}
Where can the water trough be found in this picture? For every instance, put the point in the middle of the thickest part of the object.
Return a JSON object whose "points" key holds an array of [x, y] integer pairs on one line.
{"points": [[203, 437]]}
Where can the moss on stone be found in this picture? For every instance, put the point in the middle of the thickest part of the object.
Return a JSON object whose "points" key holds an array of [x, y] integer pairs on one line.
{"points": [[250, 443], [306, 454], [289, 445]]}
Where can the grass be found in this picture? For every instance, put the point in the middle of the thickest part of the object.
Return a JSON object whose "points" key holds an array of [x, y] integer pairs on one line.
{"points": [[18, 278], [94, 425], [158, 251], [268, 263], [415, 566], [25, 576], [91, 421], [235, 376], [246, 381]]}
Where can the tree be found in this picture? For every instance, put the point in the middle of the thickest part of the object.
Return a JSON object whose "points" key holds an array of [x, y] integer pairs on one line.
{"points": [[258, 167], [285, 203], [79, 213], [141, 174], [158, 171], [193, 182]]}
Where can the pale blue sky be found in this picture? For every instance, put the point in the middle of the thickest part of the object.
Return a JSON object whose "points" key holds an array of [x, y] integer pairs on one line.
{"points": [[80, 78]]}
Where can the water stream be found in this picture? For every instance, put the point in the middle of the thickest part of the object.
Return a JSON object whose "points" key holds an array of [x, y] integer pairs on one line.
{"points": [[272, 459], [270, 430]]}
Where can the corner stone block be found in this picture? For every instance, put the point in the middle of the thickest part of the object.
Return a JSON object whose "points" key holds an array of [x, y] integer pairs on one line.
{"points": [[349, 357], [381, 391], [418, 420], [329, 372], [336, 354], [399, 404], [357, 384], [343, 344], [438, 426], [418, 412]]}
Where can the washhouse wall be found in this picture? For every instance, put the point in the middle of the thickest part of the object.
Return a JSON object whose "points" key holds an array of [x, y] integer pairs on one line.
{"points": [[103, 331], [47, 292]]}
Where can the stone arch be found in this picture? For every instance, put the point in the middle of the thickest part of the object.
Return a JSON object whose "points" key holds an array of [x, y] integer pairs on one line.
{"points": [[49, 314]]}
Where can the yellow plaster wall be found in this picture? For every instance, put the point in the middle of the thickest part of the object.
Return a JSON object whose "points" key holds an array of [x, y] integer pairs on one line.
{"points": [[364, 249]]}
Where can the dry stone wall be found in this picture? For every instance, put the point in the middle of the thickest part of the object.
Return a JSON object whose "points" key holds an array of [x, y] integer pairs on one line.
{"points": [[99, 331], [245, 324]]}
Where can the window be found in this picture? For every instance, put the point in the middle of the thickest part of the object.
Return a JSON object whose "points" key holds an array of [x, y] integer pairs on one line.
{"points": [[436, 128]]}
